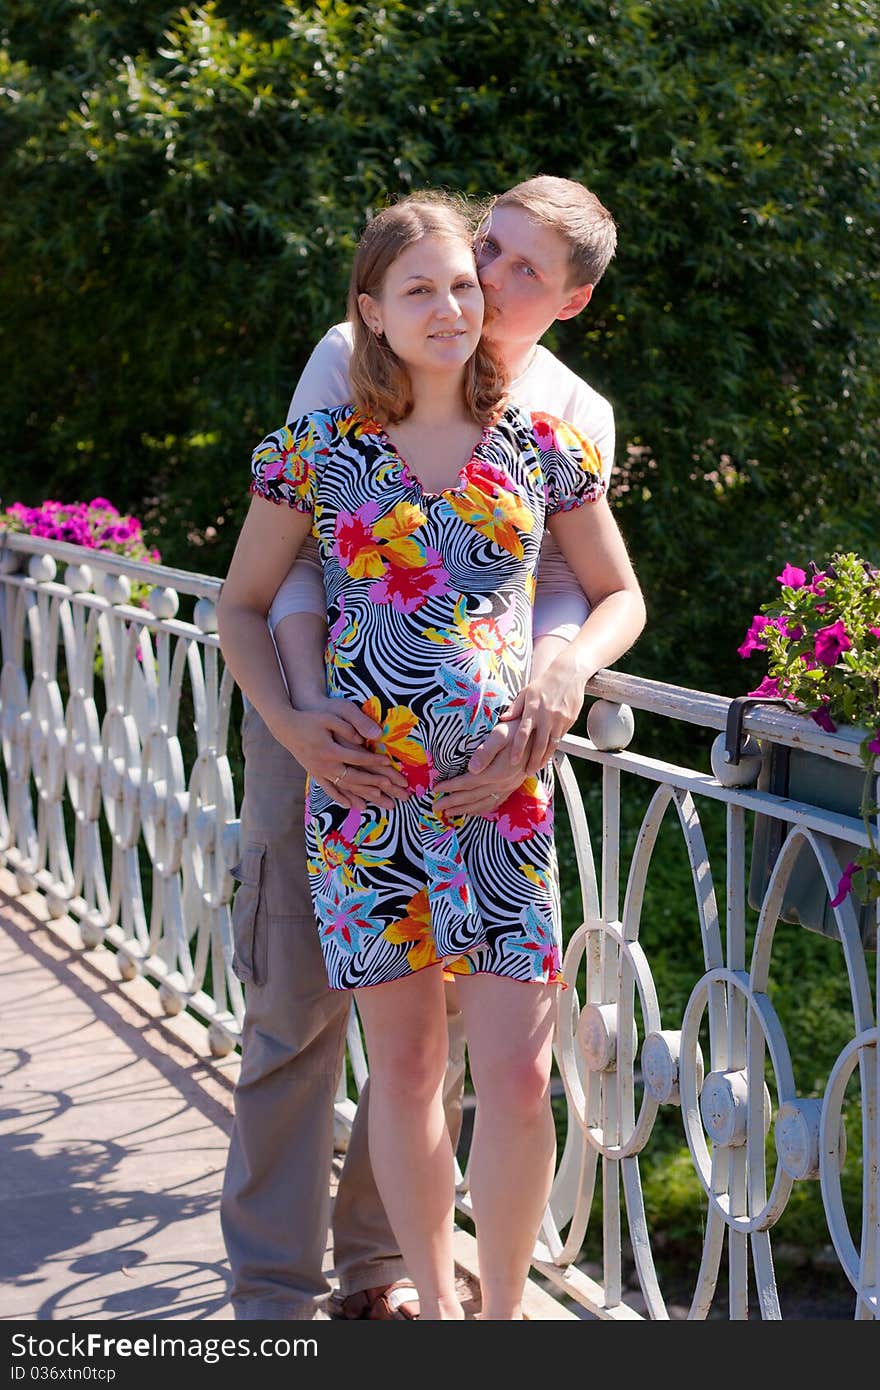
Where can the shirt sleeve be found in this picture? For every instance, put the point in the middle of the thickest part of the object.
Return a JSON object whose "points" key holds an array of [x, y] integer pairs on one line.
{"points": [[302, 591], [570, 462], [324, 381], [603, 436], [283, 465]]}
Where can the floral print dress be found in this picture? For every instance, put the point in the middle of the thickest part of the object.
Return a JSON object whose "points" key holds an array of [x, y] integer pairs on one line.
{"points": [[429, 602]]}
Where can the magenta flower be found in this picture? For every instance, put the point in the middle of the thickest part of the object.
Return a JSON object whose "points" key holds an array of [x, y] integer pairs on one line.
{"points": [[782, 625], [792, 577], [769, 686], [821, 717], [875, 632], [831, 642], [93, 525], [752, 642], [874, 745], [844, 887]]}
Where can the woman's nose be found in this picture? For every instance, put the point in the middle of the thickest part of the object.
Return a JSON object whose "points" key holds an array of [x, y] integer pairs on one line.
{"points": [[448, 306]]}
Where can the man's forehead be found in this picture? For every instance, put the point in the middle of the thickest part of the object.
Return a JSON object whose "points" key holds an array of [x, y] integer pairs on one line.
{"points": [[518, 233]]}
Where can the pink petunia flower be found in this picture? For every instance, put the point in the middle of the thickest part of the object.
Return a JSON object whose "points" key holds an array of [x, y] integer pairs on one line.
{"points": [[752, 642], [844, 887], [769, 686], [792, 577], [874, 745], [831, 642], [821, 717]]}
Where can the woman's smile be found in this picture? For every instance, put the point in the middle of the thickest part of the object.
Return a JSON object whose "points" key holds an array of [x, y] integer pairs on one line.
{"points": [[431, 298]]}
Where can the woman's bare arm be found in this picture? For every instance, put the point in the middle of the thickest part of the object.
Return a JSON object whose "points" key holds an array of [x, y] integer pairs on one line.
{"points": [[594, 548]]}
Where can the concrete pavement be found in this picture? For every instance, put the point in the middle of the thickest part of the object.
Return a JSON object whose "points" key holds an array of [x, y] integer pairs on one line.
{"points": [[114, 1125], [113, 1140]]}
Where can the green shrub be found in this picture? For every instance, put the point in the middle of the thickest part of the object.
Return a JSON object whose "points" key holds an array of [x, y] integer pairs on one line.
{"points": [[180, 194], [182, 189]]}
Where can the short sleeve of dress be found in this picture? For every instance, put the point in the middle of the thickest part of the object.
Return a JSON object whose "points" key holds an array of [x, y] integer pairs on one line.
{"points": [[283, 465], [570, 463]]}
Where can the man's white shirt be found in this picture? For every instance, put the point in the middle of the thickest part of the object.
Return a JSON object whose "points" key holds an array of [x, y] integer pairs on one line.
{"points": [[546, 385]]}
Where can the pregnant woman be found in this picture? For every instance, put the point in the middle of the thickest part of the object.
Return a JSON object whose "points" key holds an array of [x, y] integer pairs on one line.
{"points": [[429, 499]]}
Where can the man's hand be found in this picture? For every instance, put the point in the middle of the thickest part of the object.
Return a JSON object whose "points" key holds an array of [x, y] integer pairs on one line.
{"points": [[328, 740]]}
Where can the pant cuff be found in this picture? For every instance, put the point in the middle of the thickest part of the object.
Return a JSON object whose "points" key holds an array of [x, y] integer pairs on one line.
{"points": [[369, 1276], [279, 1310]]}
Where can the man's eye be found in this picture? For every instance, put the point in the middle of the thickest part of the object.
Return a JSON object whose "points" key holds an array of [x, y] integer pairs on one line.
{"points": [[527, 270]]}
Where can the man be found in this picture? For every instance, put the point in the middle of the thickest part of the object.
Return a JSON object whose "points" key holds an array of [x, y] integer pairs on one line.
{"points": [[540, 252]]}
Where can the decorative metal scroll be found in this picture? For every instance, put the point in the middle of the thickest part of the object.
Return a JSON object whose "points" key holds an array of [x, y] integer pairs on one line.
{"points": [[118, 804]]}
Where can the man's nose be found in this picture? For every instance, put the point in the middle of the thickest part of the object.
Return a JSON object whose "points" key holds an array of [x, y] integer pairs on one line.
{"points": [[491, 274]]}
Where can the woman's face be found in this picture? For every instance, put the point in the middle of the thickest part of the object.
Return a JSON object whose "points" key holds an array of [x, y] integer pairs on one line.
{"points": [[431, 305]]}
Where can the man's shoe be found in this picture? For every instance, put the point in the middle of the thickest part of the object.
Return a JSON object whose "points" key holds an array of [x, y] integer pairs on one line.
{"points": [[399, 1301]]}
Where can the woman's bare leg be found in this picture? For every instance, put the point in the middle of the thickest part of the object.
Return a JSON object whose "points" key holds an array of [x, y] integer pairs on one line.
{"points": [[405, 1027], [509, 1025]]}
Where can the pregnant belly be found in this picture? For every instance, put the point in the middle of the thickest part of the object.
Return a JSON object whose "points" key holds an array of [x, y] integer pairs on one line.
{"points": [[434, 720]]}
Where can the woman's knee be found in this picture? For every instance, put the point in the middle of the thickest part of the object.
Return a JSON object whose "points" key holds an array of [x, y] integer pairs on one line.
{"points": [[518, 1085], [409, 1068]]}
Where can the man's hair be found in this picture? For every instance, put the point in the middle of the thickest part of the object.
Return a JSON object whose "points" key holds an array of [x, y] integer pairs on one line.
{"points": [[576, 214], [380, 382]]}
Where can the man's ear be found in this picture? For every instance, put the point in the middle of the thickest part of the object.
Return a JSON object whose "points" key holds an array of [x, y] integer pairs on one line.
{"points": [[577, 300]]}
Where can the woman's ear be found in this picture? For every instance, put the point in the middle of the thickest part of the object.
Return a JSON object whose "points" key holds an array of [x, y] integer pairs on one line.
{"points": [[370, 313]]}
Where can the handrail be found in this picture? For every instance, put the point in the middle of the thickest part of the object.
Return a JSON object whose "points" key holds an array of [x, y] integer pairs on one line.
{"points": [[118, 802]]}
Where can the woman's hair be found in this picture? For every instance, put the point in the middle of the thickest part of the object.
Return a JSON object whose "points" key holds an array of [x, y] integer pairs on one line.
{"points": [[380, 382]]}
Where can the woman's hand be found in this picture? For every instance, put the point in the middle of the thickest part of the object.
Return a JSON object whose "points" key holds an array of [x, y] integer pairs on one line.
{"points": [[328, 739], [524, 739], [546, 709], [491, 777]]}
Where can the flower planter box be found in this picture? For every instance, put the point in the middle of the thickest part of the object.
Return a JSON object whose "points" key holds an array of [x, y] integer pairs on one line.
{"points": [[805, 776]]}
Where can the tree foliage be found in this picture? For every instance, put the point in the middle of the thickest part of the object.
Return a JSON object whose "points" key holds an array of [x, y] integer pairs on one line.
{"points": [[181, 190]]}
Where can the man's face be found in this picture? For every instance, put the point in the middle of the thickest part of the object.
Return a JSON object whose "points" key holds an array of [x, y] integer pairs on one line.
{"points": [[525, 272]]}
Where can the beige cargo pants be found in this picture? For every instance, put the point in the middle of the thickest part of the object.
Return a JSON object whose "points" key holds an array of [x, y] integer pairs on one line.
{"points": [[275, 1207]]}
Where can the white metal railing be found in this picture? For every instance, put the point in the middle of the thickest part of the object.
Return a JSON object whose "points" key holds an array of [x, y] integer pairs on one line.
{"points": [[117, 803]]}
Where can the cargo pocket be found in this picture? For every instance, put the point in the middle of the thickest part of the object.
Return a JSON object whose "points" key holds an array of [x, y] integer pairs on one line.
{"points": [[245, 911]]}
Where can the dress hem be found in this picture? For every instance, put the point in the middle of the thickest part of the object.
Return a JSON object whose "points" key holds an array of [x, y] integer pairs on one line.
{"points": [[450, 976]]}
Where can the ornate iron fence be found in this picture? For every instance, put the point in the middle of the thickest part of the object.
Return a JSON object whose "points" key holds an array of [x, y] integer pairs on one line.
{"points": [[118, 803]]}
